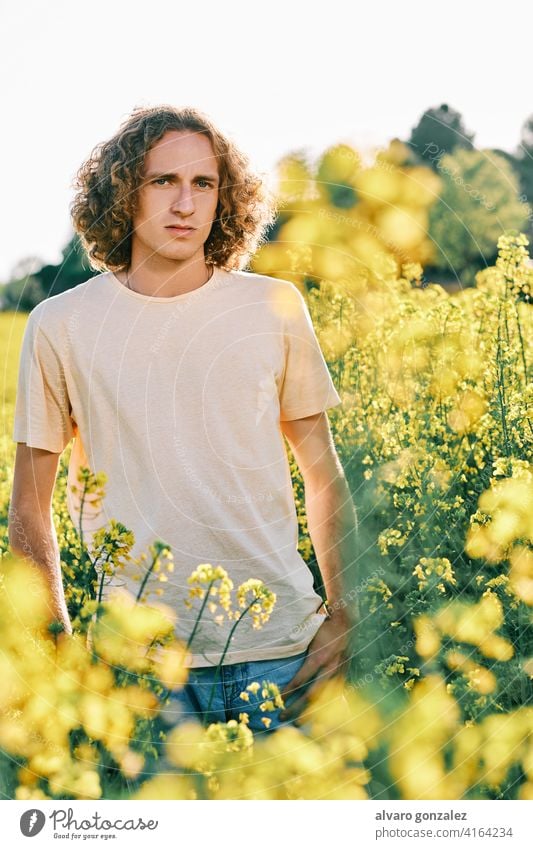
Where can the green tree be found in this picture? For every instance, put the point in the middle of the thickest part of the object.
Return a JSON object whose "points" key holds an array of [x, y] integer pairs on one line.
{"points": [[524, 167], [478, 201], [32, 282], [73, 269], [440, 130], [23, 293]]}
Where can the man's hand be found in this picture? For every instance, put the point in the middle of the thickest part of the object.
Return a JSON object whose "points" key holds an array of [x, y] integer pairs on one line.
{"points": [[326, 657], [60, 629]]}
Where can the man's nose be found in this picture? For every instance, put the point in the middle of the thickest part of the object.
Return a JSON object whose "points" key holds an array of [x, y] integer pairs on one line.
{"points": [[184, 200]]}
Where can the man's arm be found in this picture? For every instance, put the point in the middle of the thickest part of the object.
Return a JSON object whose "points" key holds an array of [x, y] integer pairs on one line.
{"points": [[30, 525], [331, 515], [332, 524]]}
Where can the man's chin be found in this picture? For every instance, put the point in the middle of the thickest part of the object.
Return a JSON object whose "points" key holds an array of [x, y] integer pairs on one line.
{"points": [[179, 254]]}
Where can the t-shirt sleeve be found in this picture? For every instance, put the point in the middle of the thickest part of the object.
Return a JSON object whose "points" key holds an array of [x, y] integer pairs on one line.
{"points": [[307, 387], [42, 409]]}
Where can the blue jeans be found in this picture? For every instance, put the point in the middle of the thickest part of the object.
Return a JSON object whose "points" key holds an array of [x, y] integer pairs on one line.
{"points": [[191, 702]]}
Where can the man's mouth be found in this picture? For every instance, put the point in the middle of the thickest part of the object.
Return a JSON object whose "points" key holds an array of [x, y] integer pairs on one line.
{"points": [[178, 230]]}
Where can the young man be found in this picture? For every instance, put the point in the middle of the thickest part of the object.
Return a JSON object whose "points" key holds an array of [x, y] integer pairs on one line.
{"points": [[177, 374]]}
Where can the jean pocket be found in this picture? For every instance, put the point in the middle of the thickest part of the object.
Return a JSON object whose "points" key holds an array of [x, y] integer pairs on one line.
{"points": [[289, 672]]}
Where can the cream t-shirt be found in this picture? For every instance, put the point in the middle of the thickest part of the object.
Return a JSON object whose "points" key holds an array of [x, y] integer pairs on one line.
{"points": [[179, 401]]}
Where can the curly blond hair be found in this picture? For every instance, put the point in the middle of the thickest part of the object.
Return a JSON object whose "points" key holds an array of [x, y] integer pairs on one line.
{"points": [[106, 186]]}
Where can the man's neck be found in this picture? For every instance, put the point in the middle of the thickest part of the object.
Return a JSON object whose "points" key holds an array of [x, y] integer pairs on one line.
{"points": [[168, 281]]}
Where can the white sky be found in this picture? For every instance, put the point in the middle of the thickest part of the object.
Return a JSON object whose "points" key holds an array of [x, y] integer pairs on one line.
{"points": [[276, 76]]}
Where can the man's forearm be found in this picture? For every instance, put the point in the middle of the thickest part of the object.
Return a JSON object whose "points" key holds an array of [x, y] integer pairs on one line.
{"points": [[33, 536], [332, 525]]}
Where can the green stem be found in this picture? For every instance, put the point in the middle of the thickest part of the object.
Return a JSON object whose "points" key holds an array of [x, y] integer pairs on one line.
{"points": [[522, 349], [501, 386], [217, 672], [145, 579], [101, 587], [202, 608], [80, 524], [341, 370], [84, 553]]}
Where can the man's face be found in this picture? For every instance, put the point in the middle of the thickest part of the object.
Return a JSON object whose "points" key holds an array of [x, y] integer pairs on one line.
{"points": [[180, 188]]}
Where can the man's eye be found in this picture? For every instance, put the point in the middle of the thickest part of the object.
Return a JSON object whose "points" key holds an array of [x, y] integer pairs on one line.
{"points": [[159, 179], [201, 180]]}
